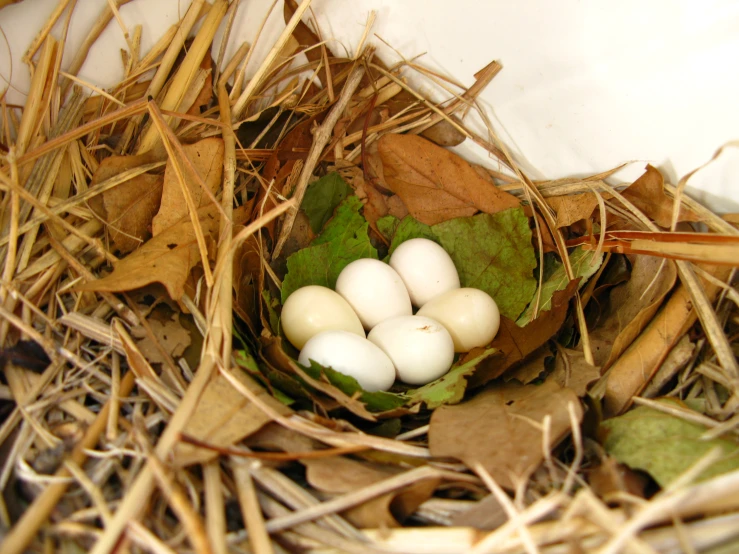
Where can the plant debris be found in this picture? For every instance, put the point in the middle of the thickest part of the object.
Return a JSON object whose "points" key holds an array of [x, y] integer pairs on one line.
{"points": [[150, 234], [344, 240], [509, 447], [435, 184], [666, 446]]}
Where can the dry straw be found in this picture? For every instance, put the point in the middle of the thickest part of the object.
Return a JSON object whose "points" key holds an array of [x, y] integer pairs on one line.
{"points": [[112, 416]]}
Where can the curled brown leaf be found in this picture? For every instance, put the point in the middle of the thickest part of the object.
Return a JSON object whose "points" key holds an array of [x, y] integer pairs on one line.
{"points": [[435, 184], [648, 194]]}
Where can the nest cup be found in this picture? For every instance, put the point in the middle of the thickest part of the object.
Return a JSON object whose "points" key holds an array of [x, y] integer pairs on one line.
{"points": [[152, 232]]}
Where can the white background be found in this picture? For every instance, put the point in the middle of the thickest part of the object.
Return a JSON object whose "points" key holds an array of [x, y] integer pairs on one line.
{"points": [[586, 85]]}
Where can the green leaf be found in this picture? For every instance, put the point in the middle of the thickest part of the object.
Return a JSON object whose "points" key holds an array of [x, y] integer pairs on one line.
{"points": [[346, 225], [582, 266], [398, 231], [493, 253], [343, 240], [410, 228], [449, 388], [245, 360], [379, 401], [387, 226], [390, 428], [274, 319], [663, 445], [322, 197]]}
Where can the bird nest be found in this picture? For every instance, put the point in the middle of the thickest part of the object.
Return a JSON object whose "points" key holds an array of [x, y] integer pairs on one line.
{"points": [[152, 231]]}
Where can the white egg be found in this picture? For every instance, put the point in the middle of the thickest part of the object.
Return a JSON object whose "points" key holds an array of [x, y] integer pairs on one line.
{"points": [[426, 269], [312, 309], [420, 348], [374, 290], [351, 355], [470, 315]]}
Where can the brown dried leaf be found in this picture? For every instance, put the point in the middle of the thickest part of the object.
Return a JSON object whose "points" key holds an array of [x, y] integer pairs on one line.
{"points": [[206, 157], [297, 142], [530, 370], [274, 436], [391, 510], [574, 207], [246, 279], [224, 417], [501, 428], [648, 194], [301, 236], [170, 334], [339, 475], [375, 205], [137, 362], [611, 478], [280, 167], [632, 307], [483, 172], [487, 514], [573, 372], [395, 207], [115, 165], [437, 185], [130, 208], [444, 133], [167, 259], [374, 169], [675, 361], [515, 343]]}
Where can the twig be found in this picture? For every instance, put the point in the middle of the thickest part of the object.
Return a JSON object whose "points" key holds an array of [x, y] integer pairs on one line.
{"points": [[251, 512], [538, 510], [135, 500], [140, 106], [230, 68], [296, 497], [246, 96], [320, 140], [71, 202], [175, 48], [346, 501], [702, 306], [514, 517], [187, 70], [273, 456], [230, 17], [177, 500], [23, 532], [44, 32], [215, 511], [101, 23]]}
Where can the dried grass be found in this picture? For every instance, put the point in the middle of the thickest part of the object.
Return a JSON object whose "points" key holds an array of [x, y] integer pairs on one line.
{"points": [[113, 482]]}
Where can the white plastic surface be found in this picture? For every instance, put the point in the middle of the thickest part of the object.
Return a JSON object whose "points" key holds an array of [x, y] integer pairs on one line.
{"points": [[585, 86]]}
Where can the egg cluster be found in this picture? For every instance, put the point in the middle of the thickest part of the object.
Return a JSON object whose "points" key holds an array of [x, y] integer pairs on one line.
{"points": [[329, 326]]}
